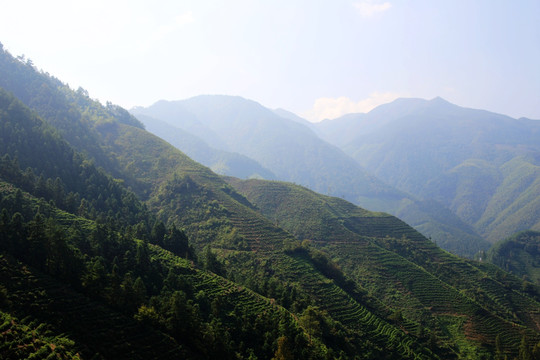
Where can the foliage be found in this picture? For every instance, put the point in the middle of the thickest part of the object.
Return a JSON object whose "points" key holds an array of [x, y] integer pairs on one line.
{"points": [[184, 266], [294, 153], [423, 285], [32, 340], [519, 255], [483, 166]]}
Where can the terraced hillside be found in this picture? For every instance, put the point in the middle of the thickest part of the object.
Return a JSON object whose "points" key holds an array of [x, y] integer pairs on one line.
{"points": [[99, 325], [481, 165], [462, 302], [168, 248], [292, 152], [102, 261], [250, 246], [82, 271]]}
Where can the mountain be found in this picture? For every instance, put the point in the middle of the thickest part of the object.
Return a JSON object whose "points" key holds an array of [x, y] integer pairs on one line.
{"points": [[519, 255], [481, 165], [424, 285], [171, 261], [291, 116], [106, 266], [293, 152], [139, 270], [221, 162]]}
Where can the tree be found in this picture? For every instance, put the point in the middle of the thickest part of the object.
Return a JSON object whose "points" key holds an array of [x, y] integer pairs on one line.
{"points": [[95, 278], [284, 350], [139, 290], [142, 257], [176, 241], [158, 233], [310, 321], [211, 263], [524, 351], [37, 242]]}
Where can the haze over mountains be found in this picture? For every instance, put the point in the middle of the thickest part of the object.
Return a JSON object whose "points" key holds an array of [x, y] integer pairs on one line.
{"points": [[115, 244], [483, 166], [293, 152], [437, 157]]}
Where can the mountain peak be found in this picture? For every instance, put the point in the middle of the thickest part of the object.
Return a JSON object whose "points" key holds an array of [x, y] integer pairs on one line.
{"points": [[440, 102], [439, 99]]}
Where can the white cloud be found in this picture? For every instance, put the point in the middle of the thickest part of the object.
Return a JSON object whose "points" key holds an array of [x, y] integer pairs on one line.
{"points": [[332, 108], [368, 8]]}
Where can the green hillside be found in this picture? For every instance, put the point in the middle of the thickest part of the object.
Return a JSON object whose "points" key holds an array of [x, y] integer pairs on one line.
{"points": [[89, 278], [519, 255], [113, 283], [483, 166], [106, 262], [291, 151], [427, 287], [163, 258], [250, 247], [221, 162]]}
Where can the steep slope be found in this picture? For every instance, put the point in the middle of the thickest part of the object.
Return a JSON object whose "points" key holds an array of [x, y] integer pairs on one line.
{"points": [[483, 166], [250, 246], [294, 153], [282, 299], [519, 255], [90, 279], [291, 116], [198, 314], [171, 310], [424, 286], [221, 162]]}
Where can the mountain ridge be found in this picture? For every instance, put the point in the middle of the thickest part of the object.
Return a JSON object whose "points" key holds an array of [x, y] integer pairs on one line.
{"points": [[199, 266], [445, 153], [295, 153]]}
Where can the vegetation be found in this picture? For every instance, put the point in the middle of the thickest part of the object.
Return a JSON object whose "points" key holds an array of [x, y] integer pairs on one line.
{"points": [[126, 248], [292, 152], [519, 255], [221, 162], [424, 287], [482, 166]]}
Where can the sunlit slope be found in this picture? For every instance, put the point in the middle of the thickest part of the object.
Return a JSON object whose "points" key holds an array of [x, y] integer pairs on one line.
{"points": [[250, 245], [65, 309], [293, 152], [481, 165], [407, 272]]}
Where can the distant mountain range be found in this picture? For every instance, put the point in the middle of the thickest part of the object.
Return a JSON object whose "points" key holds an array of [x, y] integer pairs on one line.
{"points": [[291, 151], [483, 166], [116, 245]]}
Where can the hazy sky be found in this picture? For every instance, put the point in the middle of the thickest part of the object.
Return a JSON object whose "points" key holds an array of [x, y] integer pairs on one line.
{"points": [[316, 58]]}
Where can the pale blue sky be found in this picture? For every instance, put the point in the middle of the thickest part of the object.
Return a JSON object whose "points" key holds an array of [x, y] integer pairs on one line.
{"points": [[316, 58]]}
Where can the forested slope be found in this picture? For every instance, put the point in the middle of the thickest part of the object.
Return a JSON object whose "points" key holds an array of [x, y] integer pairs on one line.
{"points": [[294, 153], [519, 255], [482, 165], [169, 258], [86, 273]]}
